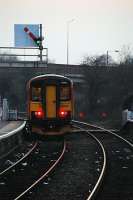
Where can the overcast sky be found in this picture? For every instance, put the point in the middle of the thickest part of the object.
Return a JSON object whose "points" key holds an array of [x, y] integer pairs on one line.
{"points": [[98, 26]]}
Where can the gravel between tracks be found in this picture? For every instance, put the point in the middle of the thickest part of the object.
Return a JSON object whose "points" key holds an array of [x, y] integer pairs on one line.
{"points": [[15, 155], [118, 181]]}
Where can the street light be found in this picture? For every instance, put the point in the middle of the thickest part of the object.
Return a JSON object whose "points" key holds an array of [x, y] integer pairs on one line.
{"points": [[68, 23], [117, 51]]}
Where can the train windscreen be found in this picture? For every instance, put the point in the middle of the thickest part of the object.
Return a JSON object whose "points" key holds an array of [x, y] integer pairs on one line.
{"points": [[36, 94], [65, 92]]}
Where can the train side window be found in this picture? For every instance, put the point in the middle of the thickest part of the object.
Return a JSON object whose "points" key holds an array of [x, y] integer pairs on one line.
{"points": [[36, 94], [64, 92]]}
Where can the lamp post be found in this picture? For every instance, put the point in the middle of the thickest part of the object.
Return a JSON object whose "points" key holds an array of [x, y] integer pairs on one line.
{"points": [[117, 51], [68, 23]]}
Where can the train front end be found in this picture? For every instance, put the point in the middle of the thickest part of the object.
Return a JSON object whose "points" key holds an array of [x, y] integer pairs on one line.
{"points": [[50, 104]]}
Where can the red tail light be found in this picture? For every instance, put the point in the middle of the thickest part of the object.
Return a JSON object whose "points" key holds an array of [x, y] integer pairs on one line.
{"points": [[63, 114], [39, 114]]}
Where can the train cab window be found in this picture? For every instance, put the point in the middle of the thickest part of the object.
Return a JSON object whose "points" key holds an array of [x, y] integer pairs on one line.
{"points": [[64, 92], [36, 94]]}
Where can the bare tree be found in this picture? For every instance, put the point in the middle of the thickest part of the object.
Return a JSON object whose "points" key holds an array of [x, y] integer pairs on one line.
{"points": [[97, 60], [126, 56]]}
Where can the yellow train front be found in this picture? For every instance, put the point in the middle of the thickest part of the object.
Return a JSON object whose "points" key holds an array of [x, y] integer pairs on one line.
{"points": [[50, 104]]}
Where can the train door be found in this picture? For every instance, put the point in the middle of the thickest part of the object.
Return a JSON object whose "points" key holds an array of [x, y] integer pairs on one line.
{"points": [[51, 101]]}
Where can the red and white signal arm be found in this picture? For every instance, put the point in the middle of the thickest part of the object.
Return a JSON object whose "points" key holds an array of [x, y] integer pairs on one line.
{"points": [[24, 35]]}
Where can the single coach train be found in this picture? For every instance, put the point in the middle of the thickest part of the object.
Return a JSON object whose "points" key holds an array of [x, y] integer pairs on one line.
{"points": [[50, 104]]}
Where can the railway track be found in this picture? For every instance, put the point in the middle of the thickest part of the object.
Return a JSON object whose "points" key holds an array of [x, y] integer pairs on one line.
{"points": [[20, 158], [119, 179], [86, 171], [102, 172], [75, 179], [17, 181]]}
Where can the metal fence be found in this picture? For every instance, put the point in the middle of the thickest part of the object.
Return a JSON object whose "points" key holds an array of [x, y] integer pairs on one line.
{"points": [[13, 54]]}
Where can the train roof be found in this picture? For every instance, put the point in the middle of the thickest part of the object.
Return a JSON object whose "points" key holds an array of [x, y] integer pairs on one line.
{"points": [[51, 76]]}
